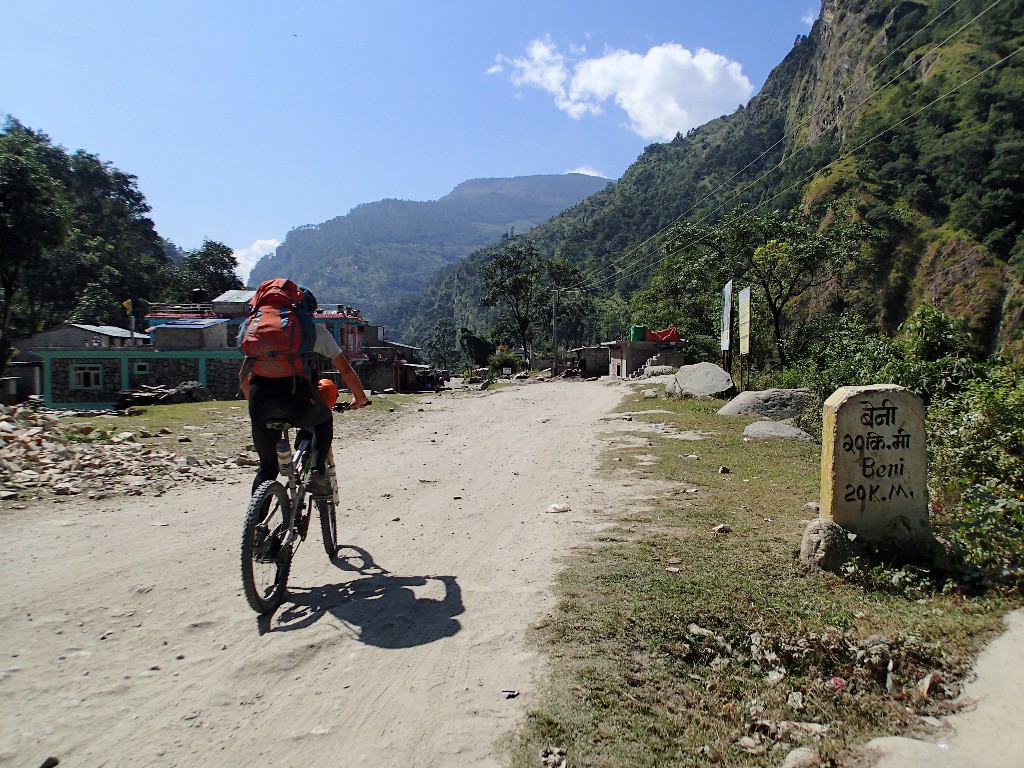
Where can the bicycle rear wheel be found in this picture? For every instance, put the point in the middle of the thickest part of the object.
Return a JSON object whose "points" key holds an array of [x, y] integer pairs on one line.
{"points": [[328, 525], [265, 563]]}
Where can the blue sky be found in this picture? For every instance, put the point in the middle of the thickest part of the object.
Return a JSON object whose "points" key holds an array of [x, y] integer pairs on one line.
{"points": [[244, 120]]}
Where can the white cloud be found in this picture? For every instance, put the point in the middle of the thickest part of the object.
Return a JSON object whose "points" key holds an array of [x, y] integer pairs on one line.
{"points": [[586, 170], [810, 17], [247, 257], [665, 91]]}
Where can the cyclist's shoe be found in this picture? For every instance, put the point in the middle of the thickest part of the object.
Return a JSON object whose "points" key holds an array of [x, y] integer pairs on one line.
{"points": [[319, 485]]}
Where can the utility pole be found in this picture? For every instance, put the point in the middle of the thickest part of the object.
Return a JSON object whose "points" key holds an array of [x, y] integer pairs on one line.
{"points": [[555, 292], [554, 333]]}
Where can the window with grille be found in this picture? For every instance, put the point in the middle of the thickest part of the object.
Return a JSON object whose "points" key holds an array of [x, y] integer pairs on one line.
{"points": [[86, 376]]}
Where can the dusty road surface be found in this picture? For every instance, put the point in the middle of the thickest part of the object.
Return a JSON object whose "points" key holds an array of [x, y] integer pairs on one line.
{"points": [[126, 640]]}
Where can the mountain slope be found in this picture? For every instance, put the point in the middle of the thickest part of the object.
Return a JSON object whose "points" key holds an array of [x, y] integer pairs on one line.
{"points": [[911, 111], [387, 249]]}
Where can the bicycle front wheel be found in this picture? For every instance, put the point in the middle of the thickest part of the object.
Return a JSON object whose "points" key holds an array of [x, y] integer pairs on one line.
{"points": [[265, 562], [328, 525]]}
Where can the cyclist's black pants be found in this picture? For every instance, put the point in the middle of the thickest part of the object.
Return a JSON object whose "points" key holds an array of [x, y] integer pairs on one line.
{"points": [[275, 400]]}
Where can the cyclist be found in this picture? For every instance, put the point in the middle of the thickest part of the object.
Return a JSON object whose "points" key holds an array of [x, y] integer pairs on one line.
{"points": [[298, 401]]}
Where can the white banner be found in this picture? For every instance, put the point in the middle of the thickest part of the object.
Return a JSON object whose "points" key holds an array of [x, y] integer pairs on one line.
{"points": [[744, 299], [726, 316]]}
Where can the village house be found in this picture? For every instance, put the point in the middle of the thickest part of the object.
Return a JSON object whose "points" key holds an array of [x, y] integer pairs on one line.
{"points": [[591, 361], [198, 342], [627, 357], [646, 347]]}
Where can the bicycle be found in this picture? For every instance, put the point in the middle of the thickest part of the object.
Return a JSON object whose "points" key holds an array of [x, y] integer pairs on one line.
{"points": [[278, 517]]}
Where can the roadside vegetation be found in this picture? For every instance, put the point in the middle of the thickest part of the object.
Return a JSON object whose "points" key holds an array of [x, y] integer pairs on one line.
{"points": [[676, 645]]}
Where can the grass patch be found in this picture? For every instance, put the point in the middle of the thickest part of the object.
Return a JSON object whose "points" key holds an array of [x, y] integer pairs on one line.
{"points": [[219, 428], [682, 647]]}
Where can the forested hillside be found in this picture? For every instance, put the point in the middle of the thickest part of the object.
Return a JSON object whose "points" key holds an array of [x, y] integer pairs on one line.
{"points": [[904, 121], [388, 249], [76, 242]]}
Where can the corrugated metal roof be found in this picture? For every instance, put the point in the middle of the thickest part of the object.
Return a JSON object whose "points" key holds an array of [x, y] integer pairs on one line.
{"points": [[106, 330], [235, 297]]}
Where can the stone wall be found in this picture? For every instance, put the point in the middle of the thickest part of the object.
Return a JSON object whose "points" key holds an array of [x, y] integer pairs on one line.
{"points": [[222, 377], [171, 371], [377, 376], [60, 381]]}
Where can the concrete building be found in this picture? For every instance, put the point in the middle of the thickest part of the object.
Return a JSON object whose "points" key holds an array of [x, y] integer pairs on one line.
{"points": [[592, 361], [191, 333], [81, 336], [627, 357]]}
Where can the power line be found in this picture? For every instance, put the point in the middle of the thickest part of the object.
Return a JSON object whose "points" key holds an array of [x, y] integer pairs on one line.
{"points": [[847, 154], [633, 251]]}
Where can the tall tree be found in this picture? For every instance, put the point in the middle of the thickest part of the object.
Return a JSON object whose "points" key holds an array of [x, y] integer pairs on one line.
{"points": [[441, 347], [32, 217], [210, 267], [514, 281], [787, 255], [111, 252]]}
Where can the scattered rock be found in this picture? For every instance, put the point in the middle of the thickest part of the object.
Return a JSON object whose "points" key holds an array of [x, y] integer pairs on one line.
{"points": [[40, 455], [801, 757], [723, 470], [750, 745], [553, 757], [722, 529], [650, 394], [701, 380], [925, 685], [558, 508]]}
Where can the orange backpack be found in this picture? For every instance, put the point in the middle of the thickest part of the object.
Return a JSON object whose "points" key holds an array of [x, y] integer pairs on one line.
{"points": [[278, 337]]}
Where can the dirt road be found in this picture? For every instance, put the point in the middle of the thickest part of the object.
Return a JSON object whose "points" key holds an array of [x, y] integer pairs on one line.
{"points": [[126, 640]]}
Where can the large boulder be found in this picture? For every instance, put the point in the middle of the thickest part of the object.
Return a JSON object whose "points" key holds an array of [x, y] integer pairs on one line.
{"points": [[657, 370], [701, 380], [826, 547], [774, 404], [763, 430]]}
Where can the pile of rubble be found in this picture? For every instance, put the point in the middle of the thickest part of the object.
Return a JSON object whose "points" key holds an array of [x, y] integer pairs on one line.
{"points": [[39, 455], [186, 392]]}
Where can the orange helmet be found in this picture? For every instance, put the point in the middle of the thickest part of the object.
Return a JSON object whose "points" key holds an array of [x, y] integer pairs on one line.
{"points": [[328, 391]]}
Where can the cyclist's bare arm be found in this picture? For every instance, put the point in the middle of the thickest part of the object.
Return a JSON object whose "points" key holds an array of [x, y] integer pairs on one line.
{"points": [[351, 379]]}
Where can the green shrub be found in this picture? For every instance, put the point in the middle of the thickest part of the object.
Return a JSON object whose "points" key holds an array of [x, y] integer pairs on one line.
{"points": [[977, 435], [505, 359], [985, 529]]}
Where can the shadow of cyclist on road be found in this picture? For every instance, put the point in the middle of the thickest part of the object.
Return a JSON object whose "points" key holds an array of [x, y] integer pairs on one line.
{"points": [[381, 608]]}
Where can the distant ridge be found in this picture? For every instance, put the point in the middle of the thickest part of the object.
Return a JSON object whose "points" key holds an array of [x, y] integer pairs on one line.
{"points": [[382, 251]]}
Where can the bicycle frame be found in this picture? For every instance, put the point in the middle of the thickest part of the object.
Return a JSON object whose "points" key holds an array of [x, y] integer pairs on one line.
{"points": [[295, 475]]}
